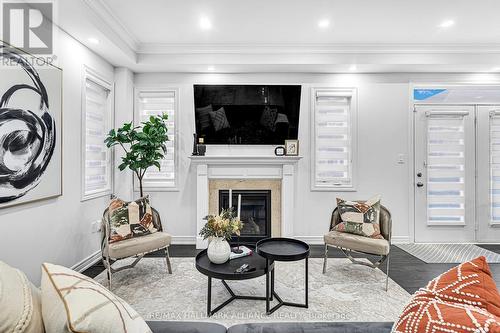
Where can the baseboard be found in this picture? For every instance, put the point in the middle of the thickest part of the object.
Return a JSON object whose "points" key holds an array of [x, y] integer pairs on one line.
{"points": [[183, 240], [87, 262], [312, 240], [400, 240]]}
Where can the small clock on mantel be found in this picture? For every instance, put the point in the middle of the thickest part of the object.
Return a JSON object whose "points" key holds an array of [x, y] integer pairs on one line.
{"points": [[279, 151]]}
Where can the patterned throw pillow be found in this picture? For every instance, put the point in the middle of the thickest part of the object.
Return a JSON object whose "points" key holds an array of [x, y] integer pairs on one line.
{"points": [[203, 118], [463, 299], [130, 219], [268, 118], [219, 119], [360, 218], [73, 302]]}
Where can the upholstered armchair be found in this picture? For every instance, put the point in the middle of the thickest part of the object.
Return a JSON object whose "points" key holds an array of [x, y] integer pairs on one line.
{"points": [[133, 247], [349, 243]]}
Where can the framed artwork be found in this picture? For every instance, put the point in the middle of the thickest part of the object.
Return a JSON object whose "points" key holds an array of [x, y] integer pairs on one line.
{"points": [[30, 128], [292, 147]]}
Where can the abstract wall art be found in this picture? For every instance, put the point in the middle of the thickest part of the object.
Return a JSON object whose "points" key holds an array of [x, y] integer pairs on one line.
{"points": [[30, 128]]}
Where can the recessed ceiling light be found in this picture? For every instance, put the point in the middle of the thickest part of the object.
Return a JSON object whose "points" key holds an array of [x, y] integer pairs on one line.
{"points": [[353, 67], [447, 24], [211, 68], [205, 23], [93, 40], [324, 23]]}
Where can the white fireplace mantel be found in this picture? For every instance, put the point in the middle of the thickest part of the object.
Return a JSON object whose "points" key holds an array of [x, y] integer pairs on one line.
{"points": [[245, 167]]}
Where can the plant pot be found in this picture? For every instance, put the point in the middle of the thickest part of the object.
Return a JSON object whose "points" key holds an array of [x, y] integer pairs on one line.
{"points": [[218, 250]]}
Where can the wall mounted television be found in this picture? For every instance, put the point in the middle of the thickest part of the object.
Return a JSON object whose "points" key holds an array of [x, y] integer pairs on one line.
{"points": [[247, 114]]}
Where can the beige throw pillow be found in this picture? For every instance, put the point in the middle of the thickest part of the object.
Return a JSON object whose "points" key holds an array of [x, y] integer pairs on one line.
{"points": [[73, 302], [20, 309]]}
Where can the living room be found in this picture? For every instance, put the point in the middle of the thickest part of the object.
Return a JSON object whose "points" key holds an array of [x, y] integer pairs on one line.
{"points": [[249, 166]]}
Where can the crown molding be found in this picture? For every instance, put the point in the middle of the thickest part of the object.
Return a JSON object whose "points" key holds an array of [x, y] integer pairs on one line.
{"points": [[310, 48], [113, 23]]}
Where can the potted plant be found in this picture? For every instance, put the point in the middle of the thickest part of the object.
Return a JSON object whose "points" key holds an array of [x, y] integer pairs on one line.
{"points": [[219, 229], [144, 145]]}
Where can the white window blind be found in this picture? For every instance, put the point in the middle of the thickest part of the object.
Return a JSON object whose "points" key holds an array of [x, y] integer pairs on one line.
{"points": [[333, 139], [445, 169], [152, 103], [97, 157], [495, 167]]}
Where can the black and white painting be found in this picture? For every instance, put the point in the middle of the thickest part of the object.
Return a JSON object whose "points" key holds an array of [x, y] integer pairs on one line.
{"points": [[30, 128]]}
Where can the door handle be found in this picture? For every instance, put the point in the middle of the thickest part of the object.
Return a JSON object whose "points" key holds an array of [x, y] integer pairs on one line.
{"points": [[420, 184]]}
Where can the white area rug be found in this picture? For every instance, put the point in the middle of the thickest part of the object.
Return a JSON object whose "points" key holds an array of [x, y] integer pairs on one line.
{"points": [[449, 253], [347, 292]]}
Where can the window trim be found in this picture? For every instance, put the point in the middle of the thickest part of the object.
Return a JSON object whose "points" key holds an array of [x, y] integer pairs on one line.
{"points": [[160, 88], [93, 75], [341, 92]]}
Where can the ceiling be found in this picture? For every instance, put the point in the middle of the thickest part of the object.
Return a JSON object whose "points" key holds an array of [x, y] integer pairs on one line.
{"points": [[289, 35]]}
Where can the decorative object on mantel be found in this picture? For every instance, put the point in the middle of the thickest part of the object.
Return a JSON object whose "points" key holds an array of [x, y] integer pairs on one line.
{"points": [[219, 229], [279, 151], [292, 147], [146, 145], [201, 147], [195, 145]]}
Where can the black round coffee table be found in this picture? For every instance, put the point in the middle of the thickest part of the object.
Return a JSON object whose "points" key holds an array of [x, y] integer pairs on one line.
{"points": [[227, 271], [283, 249]]}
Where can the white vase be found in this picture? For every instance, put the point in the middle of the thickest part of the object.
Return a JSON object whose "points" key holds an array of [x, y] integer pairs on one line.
{"points": [[218, 250]]}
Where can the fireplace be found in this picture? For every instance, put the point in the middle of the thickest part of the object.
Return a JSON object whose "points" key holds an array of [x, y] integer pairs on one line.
{"points": [[255, 212]]}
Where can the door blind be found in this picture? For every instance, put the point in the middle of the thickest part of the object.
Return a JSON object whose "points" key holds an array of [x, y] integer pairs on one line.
{"points": [[333, 140], [495, 167], [152, 103], [97, 170], [446, 169]]}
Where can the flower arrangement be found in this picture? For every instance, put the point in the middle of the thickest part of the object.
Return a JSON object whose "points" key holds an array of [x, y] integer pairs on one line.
{"points": [[223, 225]]}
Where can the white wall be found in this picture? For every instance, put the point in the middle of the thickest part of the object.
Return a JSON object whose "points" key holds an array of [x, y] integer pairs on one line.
{"points": [[58, 230], [383, 127]]}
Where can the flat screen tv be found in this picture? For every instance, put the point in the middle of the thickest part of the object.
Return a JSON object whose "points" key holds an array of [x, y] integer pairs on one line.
{"points": [[247, 114]]}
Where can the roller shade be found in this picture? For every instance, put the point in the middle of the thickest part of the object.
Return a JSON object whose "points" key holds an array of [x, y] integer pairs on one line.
{"points": [[152, 103]]}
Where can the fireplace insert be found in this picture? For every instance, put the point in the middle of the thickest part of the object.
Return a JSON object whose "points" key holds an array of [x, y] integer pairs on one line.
{"points": [[255, 212]]}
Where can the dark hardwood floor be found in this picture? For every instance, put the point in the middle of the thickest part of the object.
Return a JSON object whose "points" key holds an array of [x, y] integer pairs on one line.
{"points": [[406, 270]]}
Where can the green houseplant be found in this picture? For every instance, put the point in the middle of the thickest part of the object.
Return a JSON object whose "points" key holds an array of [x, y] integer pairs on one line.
{"points": [[144, 145]]}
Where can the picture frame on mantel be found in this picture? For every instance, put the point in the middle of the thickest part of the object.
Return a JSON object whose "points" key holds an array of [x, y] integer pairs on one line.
{"points": [[292, 147]]}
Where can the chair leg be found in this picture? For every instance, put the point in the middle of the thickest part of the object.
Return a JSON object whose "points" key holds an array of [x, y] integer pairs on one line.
{"points": [[167, 259], [326, 259], [387, 274], [108, 271]]}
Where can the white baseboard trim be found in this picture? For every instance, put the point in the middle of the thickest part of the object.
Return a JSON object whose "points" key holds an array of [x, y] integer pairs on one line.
{"points": [[318, 240], [87, 262], [183, 240], [400, 240]]}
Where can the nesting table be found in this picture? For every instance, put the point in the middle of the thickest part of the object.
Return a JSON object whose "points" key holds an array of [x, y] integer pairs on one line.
{"points": [[283, 249], [261, 262]]}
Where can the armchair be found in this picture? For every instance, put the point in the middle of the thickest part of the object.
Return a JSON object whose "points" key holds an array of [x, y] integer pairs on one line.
{"points": [[348, 243], [133, 247]]}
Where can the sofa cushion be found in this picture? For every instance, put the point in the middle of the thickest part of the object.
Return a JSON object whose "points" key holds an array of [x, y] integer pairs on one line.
{"points": [[464, 298], [130, 219], [185, 327], [20, 306], [360, 218], [72, 302], [138, 245], [323, 327], [357, 243]]}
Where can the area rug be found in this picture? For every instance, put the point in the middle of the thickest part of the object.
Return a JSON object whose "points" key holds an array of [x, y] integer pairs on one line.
{"points": [[347, 292], [449, 253]]}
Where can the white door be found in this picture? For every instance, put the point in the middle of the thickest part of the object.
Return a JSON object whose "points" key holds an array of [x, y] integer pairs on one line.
{"points": [[444, 173], [488, 174]]}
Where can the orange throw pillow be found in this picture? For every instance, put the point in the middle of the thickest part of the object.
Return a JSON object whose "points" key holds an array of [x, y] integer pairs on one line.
{"points": [[463, 299]]}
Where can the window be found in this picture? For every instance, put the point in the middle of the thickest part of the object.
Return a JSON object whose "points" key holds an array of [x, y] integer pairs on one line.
{"points": [[495, 166], [96, 122], [157, 102], [333, 139]]}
